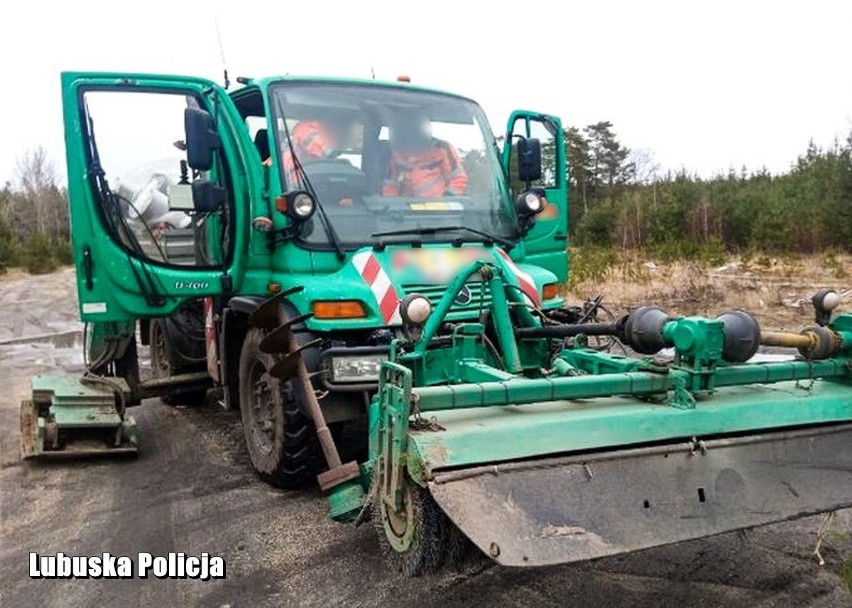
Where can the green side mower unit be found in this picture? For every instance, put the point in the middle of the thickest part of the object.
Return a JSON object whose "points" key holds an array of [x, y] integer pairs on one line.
{"points": [[514, 434]]}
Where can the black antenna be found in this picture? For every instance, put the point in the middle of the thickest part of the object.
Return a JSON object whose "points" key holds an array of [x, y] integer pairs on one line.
{"points": [[222, 53]]}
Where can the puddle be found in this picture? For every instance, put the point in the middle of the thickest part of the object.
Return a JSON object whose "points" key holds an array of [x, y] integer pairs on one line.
{"points": [[66, 339]]}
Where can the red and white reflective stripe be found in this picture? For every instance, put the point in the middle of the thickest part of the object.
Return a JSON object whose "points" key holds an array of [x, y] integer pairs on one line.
{"points": [[380, 284], [210, 339], [525, 281]]}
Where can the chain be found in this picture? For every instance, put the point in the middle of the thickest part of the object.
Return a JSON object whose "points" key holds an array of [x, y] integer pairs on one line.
{"points": [[811, 376], [423, 424], [419, 423]]}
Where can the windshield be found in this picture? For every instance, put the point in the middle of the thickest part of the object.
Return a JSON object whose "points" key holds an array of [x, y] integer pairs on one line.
{"points": [[385, 159]]}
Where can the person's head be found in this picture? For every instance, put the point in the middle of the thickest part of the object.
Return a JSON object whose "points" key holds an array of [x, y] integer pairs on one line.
{"points": [[410, 132], [313, 139]]}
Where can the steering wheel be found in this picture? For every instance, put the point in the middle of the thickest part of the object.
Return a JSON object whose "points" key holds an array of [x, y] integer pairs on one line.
{"points": [[337, 180]]}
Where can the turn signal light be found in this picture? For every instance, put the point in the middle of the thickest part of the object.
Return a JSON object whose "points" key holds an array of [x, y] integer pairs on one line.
{"points": [[549, 291], [341, 309]]}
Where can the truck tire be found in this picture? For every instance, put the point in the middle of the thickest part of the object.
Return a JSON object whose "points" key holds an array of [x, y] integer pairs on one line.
{"points": [[163, 366], [281, 440]]}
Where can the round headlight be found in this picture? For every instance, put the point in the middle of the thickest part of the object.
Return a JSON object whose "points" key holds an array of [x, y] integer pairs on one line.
{"points": [[415, 309], [302, 205], [829, 299]]}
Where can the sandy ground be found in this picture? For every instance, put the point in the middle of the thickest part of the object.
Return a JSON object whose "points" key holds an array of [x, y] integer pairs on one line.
{"points": [[192, 490]]}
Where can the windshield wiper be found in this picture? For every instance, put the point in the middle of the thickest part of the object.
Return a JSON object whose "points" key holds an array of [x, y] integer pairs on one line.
{"points": [[110, 204], [302, 175], [507, 243]]}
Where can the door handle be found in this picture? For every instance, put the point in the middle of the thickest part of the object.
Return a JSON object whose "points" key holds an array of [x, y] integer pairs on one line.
{"points": [[87, 267]]}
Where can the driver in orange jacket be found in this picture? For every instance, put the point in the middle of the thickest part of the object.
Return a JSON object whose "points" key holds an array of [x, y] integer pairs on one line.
{"points": [[312, 140], [422, 165]]}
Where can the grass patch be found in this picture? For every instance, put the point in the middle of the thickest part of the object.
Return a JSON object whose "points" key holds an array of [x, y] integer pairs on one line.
{"points": [[846, 573]]}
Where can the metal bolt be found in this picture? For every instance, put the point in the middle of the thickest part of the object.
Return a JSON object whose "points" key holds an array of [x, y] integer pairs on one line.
{"points": [[494, 550]]}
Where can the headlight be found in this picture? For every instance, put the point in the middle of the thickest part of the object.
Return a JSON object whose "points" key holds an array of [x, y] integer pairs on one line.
{"points": [[355, 368], [303, 205], [298, 205], [826, 300], [529, 203], [415, 309]]}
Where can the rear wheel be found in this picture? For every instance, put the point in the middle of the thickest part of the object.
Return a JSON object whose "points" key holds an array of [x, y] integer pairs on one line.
{"points": [[280, 439], [162, 366]]}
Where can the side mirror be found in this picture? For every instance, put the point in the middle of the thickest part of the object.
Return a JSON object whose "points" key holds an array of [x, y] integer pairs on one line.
{"points": [[201, 138], [207, 197], [529, 159]]}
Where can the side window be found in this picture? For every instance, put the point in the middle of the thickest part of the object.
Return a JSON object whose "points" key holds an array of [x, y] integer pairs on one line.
{"points": [[144, 186], [259, 134], [467, 140], [544, 132]]}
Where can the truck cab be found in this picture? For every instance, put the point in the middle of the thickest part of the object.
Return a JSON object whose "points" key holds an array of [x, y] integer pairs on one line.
{"points": [[195, 212]]}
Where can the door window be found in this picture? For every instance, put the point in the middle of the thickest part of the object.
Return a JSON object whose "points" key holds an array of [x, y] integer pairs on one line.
{"points": [[544, 131], [137, 162]]}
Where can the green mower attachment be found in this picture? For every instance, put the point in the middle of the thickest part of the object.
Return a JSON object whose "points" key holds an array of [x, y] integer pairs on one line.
{"points": [[70, 417], [512, 433]]}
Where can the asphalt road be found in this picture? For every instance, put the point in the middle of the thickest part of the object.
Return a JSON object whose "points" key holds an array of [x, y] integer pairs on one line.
{"points": [[192, 490]]}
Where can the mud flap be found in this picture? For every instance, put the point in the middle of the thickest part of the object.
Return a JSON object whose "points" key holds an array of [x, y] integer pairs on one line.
{"points": [[575, 508]]}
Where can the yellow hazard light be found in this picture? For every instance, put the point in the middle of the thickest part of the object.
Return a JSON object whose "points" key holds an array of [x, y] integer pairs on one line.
{"points": [[340, 309], [549, 291]]}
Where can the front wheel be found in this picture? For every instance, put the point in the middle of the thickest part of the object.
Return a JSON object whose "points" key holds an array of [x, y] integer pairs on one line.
{"points": [[280, 439]]}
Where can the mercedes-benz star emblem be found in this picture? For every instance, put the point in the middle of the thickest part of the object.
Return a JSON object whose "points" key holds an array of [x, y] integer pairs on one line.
{"points": [[464, 296]]}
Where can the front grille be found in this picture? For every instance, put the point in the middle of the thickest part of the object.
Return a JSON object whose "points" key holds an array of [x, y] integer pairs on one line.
{"points": [[480, 295]]}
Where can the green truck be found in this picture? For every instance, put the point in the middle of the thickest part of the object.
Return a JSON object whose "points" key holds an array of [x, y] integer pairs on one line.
{"points": [[354, 289]]}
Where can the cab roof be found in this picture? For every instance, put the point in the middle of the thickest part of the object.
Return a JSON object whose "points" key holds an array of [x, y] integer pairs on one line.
{"points": [[388, 84]]}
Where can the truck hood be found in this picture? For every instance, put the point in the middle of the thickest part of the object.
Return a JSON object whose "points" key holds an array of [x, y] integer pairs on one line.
{"points": [[395, 272], [380, 279]]}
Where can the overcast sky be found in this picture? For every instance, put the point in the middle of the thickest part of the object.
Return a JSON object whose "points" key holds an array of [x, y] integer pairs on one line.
{"points": [[703, 85]]}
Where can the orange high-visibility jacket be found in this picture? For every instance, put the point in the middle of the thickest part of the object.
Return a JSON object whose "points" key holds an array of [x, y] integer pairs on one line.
{"points": [[435, 172], [311, 140]]}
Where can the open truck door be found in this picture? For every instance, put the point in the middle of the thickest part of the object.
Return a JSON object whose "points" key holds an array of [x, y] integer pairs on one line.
{"points": [[160, 186], [546, 242]]}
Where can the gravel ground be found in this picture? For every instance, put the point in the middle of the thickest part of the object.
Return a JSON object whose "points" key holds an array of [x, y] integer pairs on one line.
{"points": [[192, 490]]}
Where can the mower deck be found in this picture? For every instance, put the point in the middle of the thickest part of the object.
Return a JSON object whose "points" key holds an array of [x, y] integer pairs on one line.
{"points": [[575, 508], [70, 417]]}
